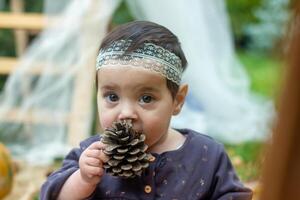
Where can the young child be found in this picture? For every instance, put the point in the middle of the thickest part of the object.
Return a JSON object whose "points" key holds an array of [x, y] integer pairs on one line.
{"points": [[139, 71]]}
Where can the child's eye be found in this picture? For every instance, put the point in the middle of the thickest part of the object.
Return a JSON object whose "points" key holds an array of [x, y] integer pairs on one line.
{"points": [[111, 97], [146, 99]]}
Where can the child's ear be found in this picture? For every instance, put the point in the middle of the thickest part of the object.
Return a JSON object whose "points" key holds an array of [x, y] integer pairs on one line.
{"points": [[180, 98]]}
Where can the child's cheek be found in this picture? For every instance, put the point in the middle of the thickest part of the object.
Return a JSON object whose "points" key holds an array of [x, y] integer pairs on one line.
{"points": [[105, 121]]}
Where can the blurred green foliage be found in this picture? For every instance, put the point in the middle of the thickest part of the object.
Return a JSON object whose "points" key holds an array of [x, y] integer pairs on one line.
{"points": [[265, 75], [2, 81], [7, 43], [247, 159], [34, 5], [122, 15], [264, 72], [30, 5], [241, 13]]}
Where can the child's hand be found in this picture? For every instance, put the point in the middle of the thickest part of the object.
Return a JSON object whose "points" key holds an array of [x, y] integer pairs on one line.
{"points": [[91, 163]]}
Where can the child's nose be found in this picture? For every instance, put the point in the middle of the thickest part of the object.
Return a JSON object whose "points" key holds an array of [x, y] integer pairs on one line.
{"points": [[127, 112]]}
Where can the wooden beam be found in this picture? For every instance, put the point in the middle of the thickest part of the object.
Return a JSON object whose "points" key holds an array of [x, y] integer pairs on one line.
{"points": [[9, 64], [22, 21], [41, 116]]}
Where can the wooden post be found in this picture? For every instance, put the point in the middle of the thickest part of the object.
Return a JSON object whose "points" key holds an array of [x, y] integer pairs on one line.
{"points": [[21, 36], [81, 110], [82, 103]]}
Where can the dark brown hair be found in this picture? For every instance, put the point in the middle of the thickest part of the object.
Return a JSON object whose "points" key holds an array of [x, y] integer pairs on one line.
{"points": [[141, 32]]}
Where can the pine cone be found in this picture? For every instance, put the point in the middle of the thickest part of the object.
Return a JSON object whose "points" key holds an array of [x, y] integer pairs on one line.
{"points": [[126, 150]]}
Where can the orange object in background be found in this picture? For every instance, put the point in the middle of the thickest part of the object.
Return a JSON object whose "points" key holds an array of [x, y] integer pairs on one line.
{"points": [[6, 172]]}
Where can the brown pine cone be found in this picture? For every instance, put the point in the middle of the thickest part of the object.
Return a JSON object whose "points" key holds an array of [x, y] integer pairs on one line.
{"points": [[126, 150]]}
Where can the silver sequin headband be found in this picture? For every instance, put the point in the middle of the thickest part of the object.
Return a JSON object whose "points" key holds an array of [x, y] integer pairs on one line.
{"points": [[150, 56]]}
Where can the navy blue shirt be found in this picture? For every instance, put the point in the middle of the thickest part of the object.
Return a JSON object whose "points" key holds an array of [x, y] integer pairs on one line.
{"points": [[199, 170]]}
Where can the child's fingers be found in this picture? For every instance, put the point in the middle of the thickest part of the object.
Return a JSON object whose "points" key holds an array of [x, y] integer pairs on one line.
{"points": [[94, 162], [97, 145], [93, 171], [104, 158], [94, 153], [96, 150]]}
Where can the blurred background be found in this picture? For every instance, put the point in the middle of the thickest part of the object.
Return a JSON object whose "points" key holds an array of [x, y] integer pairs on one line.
{"points": [[258, 31]]}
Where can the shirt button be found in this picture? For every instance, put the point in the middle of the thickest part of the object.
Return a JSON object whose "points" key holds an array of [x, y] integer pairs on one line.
{"points": [[152, 159], [148, 189]]}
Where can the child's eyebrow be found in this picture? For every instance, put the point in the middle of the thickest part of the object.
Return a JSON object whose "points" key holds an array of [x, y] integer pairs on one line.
{"points": [[108, 87], [147, 88]]}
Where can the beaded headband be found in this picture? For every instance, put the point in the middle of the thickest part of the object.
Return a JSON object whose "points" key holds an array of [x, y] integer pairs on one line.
{"points": [[150, 56]]}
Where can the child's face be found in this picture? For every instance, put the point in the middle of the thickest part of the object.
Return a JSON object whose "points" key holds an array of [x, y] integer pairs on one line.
{"points": [[138, 94]]}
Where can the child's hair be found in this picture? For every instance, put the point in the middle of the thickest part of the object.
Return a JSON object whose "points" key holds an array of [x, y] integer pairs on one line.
{"points": [[140, 32]]}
